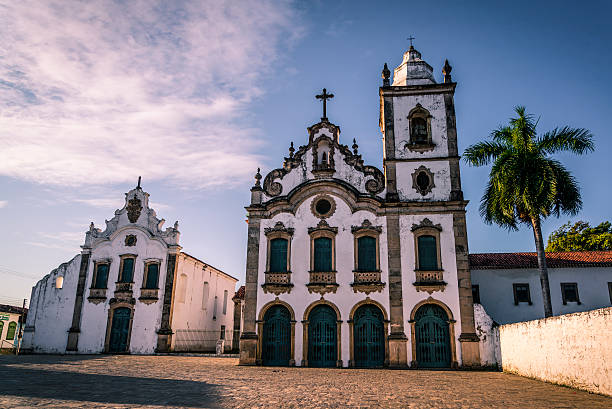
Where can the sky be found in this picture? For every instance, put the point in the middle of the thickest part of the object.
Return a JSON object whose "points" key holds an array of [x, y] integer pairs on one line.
{"points": [[194, 96]]}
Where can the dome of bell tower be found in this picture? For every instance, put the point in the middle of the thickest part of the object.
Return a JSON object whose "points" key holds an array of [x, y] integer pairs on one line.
{"points": [[413, 70]]}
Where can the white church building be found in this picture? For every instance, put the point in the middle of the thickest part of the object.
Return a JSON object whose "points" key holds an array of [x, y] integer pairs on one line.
{"points": [[131, 290], [351, 266]]}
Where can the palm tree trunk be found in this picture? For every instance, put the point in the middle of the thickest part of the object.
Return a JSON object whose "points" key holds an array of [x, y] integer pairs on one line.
{"points": [[537, 234]]}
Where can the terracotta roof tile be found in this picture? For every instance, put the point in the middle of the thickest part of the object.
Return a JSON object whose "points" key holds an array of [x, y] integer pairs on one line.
{"points": [[239, 294], [561, 259]]}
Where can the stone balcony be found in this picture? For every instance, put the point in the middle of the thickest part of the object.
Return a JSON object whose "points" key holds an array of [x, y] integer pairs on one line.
{"points": [[429, 280], [149, 295], [322, 282], [367, 281], [277, 283], [123, 290], [97, 295]]}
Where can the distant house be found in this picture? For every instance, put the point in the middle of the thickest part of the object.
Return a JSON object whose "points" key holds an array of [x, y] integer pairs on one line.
{"points": [[9, 325], [508, 284]]}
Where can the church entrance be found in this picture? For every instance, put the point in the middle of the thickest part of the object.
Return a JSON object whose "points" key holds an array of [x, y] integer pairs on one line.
{"points": [[322, 337], [368, 337], [432, 337], [276, 337], [120, 330]]}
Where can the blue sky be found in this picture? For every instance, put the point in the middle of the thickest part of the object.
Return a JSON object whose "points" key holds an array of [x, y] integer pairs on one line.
{"points": [[194, 96]]}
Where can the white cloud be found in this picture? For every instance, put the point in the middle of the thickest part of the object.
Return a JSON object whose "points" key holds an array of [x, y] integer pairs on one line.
{"points": [[101, 92], [3, 203]]}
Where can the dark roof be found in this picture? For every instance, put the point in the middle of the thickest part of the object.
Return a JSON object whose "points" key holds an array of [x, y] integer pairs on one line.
{"points": [[12, 309], [208, 265], [239, 294], [560, 259]]}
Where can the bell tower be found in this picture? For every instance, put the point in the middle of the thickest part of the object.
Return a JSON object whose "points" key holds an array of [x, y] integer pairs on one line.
{"points": [[421, 166]]}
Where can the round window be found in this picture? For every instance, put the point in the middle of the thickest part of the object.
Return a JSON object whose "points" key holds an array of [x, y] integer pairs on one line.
{"points": [[323, 206]]}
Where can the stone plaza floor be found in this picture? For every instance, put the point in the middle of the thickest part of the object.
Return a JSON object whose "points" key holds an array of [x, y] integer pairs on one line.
{"points": [[201, 382]]}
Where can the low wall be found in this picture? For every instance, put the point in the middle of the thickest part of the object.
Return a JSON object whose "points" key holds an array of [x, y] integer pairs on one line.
{"points": [[488, 333], [573, 349]]}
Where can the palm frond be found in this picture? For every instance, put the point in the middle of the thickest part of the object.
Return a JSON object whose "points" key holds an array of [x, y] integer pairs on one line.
{"points": [[567, 191], [576, 140], [483, 153]]}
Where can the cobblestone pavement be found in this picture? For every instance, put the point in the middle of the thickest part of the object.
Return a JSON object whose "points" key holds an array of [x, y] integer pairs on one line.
{"points": [[200, 382]]}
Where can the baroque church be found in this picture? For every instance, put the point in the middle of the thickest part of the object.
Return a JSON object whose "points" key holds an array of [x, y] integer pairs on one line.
{"points": [[351, 266]]}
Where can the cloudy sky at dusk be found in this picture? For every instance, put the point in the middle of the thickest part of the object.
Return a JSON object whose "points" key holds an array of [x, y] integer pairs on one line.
{"points": [[195, 95]]}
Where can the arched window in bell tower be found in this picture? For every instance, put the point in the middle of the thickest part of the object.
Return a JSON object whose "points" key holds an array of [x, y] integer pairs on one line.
{"points": [[420, 128]]}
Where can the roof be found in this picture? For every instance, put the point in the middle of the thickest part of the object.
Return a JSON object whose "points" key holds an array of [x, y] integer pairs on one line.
{"points": [[208, 265], [560, 259], [239, 294], [12, 309]]}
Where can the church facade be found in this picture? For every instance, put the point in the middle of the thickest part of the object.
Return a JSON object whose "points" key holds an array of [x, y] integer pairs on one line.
{"points": [[131, 290], [351, 266]]}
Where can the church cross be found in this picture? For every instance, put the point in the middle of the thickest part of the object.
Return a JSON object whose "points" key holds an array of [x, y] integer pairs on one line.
{"points": [[410, 39], [324, 96]]}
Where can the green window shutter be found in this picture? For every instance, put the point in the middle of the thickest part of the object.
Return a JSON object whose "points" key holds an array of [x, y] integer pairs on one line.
{"points": [[366, 253], [10, 334], [278, 255], [1, 329], [128, 270], [428, 253], [152, 275], [323, 254], [101, 276]]}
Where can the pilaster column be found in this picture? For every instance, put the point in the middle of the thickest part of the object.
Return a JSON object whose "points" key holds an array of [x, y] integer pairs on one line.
{"points": [[164, 334], [470, 353], [397, 337], [75, 328], [389, 152], [248, 338]]}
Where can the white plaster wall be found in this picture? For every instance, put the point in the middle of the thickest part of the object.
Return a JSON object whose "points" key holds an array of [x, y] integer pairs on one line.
{"points": [[496, 293], [434, 103], [344, 298], [573, 349], [147, 317], [3, 333], [442, 181], [450, 295], [191, 313], [488, 332], [51, 309]]}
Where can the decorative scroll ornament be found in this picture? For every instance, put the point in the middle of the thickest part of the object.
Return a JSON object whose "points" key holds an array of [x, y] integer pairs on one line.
{"points": [[423, 180], [279, 227], [366, 226], [134, 208], [426, 223]]}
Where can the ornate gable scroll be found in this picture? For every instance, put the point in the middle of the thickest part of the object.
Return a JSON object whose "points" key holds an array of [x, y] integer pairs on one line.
{"points": [[279, 227], [134, 207], [426, 223]]}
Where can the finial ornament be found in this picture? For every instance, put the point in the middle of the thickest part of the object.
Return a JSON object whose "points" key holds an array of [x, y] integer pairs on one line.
{"points": [[291, 150], [139, 179], [446, 71], [410, 39], [355, 147], [324, 96], [386, 74], [258, 178]]}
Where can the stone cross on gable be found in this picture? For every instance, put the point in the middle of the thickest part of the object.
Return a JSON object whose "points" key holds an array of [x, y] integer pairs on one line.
{"points": [[410, 39], [324, 96]]}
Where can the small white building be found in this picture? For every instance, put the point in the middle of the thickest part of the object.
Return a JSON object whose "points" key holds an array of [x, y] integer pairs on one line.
{"points": [[131, 290], [508, 284], [10, 319]]}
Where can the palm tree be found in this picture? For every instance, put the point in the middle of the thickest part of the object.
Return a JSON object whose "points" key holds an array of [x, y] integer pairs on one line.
{"points": [[526, 185]]}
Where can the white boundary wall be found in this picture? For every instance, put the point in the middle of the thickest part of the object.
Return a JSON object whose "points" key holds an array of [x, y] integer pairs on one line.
{"points": [[573, 349]]}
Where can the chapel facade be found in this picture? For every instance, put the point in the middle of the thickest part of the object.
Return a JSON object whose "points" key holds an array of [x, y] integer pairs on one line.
{"points": [[351, 266], [131, 290]]}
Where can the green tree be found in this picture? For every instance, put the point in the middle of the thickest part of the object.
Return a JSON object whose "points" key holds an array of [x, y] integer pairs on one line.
{"points": [[525, 184], [581, 236]]}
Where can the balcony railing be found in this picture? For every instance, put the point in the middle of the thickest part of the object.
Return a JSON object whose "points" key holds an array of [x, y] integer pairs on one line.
{"points": [[423, 276], [278, 278], [97, 295], [322, 277], [149, 295], [367, 281], [123, 287], [277, 283]]}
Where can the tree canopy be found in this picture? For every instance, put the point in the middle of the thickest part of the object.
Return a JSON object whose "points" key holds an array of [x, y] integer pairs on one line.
{"points": [[581, 236]]}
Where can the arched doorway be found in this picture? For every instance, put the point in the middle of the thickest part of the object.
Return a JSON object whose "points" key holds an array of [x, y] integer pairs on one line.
{"points": [[322, 337], [433, 348], [368, 337], [276, 339], [120, 330]]}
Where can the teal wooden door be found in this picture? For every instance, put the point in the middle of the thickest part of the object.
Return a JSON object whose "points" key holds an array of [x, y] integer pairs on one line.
{"points": [[276, 337], [368, 337], [322, 337], [120, 330], [432, 337]]}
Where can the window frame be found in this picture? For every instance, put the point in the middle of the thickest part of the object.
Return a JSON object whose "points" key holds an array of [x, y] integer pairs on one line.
{"points": [[319, 235], [427, 231], [563, 297], [477, 292], [279, 231], [419, 112], [122, 258], [94, 277], [514, 291], [366, 230], [12, 325], [610, 291], [145, 273]]}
